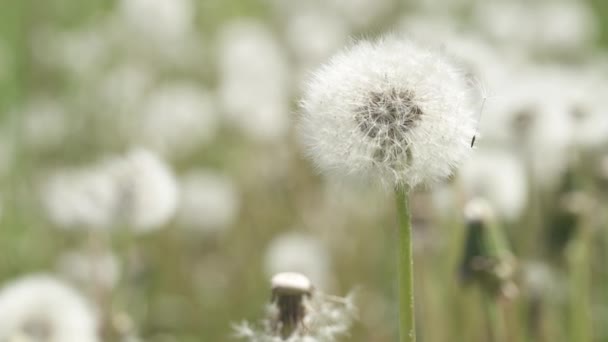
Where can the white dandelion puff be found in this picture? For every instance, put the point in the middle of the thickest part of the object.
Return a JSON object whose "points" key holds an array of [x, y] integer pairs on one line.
{"points": [[500, 177], [42, 308], [388, 111], [300, 252], [162, 21], [177, 118], [100, 269], [253, 92], [138, 189], [80, 198], [300, 313], [148, 188], [209, 201]]}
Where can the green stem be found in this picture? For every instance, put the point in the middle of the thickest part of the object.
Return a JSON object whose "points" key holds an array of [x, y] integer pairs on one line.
{"points": [[580, 312], [497, 325], [407, 329]]}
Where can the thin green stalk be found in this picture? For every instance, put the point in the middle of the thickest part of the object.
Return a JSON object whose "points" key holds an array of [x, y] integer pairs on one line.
{"points": [[497, 324], [580, 316], [407, 329]]}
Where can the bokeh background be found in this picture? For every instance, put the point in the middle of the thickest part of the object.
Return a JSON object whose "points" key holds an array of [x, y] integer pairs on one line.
{"points": [[148, 158]]}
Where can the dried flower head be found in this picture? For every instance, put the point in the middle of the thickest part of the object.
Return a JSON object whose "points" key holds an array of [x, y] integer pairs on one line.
{"points": [[487, 260], [299, 313], [388, 111]]}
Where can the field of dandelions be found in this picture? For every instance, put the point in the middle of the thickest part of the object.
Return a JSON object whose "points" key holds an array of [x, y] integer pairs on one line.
{"points": [[162, 160]]}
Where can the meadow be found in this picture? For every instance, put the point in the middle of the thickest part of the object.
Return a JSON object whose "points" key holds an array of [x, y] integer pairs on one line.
{"points": [[153, 178]]}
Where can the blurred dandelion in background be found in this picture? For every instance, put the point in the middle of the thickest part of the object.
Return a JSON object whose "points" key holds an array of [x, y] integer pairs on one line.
{"points": [[43, 308]]}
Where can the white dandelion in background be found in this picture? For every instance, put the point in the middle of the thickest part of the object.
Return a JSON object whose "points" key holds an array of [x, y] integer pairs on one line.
{"points": [[300, 313], [361, 13], [88, 270], [544, 26], [138, 190], [42, 308], [45, 123], [177, 118], [122, 88], [313, 35], [499, 176], [209, 201], [388, 111], [299, 252], [157, 20], [254, 92], [80, 198], [148, 190]]}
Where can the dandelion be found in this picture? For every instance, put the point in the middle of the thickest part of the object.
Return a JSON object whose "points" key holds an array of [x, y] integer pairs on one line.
{"points": [[388, 111], [177, 118], [253, 92], [138, 189], [209, 201], [487, 259], [500, 177], [80, 198], [488, 262], [42, 308], [300, 252], [90, 270], [299, 313], [159, 21], [148, 190], [393, 113]]}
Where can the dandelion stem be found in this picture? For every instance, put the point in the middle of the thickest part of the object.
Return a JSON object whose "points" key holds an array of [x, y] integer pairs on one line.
{"points": [[407, 329], [497, 326], [580, 316]]}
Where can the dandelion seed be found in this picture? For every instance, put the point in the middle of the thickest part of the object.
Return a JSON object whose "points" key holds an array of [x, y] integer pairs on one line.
{"points": [[388, 111]]}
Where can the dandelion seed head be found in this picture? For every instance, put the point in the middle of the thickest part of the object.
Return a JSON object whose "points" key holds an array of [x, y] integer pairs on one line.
{"points": [[148, 189], [387, 111], [100, 269], [42, 308], [162, 21], [253, 92], [299, 252], [80, 198], [297, 313], [499, 176], [137, 189], [177, 118], [478, 210], [209, 201], [291, 282]]}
